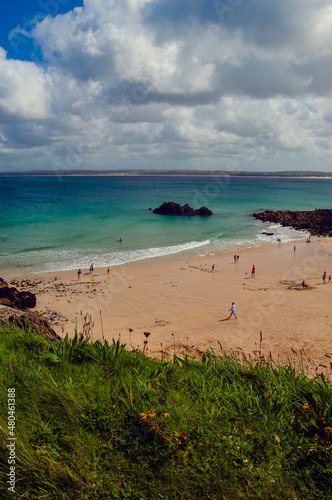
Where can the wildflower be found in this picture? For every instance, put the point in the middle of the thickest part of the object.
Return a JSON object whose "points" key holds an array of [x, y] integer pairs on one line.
{"points": [[306, 409], [149, 414], [322, 419], [166, 415], [328, 431]]}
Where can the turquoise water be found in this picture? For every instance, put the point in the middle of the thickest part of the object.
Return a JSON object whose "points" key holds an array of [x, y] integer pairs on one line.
{"points": [[60, 223]]}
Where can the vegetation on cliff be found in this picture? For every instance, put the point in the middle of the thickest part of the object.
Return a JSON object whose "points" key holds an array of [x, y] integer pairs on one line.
{"points": [[95, 421], [317, 221]]}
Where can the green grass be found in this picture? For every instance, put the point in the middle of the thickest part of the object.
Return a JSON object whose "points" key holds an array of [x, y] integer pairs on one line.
{"points": [[95, 421]]}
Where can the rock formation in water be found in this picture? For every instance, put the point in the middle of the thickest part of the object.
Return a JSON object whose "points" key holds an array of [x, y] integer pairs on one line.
{"points": [[172, 208], [317, 221]]}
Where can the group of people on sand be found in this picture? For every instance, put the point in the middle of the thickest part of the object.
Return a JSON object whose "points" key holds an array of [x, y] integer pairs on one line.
{"points": [[91, 269], [79, 272], [324, 277]]}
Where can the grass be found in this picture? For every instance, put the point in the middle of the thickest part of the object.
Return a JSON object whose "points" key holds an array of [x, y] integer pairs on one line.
{"points": [[95, 421]]}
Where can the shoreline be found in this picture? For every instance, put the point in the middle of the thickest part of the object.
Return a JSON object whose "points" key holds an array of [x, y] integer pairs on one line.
{"points": [[184, 305], [191, 252]]}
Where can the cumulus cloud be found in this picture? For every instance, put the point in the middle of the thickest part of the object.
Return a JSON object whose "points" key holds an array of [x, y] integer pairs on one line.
{"points": [[136, 82], [24, 93]]}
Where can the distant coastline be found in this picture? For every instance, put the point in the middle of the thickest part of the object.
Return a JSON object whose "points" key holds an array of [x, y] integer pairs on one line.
{"points": [[165, 173]]}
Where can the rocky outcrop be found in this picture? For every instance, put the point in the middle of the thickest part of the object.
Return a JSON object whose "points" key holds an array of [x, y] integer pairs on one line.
{"points": [[317, 221], [13, 309], [171, 208], [10, 296], [26, 320]]}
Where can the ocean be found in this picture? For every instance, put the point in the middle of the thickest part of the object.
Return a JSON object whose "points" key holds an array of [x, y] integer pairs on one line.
{"points": [[52, 223]]}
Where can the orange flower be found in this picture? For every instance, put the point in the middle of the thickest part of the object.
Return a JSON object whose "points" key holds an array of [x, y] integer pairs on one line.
{"points": [[149, 414]]}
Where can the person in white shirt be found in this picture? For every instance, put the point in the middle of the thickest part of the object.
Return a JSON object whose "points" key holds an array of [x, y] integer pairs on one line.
{"points": [[232, 309]]}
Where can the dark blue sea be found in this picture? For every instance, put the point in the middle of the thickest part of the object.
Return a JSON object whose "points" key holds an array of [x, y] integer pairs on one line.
{"points": [[59, 223]]}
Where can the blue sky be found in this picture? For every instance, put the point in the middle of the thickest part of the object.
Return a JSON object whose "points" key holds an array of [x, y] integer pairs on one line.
{"points": [[231, 85], [24, 14]]}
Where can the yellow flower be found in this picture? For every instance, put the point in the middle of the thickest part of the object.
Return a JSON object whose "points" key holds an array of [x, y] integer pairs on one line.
{"points": [[166, 415]]}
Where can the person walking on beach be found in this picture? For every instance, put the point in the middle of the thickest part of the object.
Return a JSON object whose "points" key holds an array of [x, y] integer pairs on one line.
{"points": [[79, 272], [324, 277], [253, 272], [232, 309]]}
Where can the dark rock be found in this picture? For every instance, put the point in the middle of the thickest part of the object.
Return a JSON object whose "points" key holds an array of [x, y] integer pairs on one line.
{"points": [[27, 320], [27, 300], [3, 283], [267, 234], [171, 208], [11, 297], [317, 221]]}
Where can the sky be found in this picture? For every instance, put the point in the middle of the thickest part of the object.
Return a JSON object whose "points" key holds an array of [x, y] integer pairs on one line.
{"points": [[235, 85]]}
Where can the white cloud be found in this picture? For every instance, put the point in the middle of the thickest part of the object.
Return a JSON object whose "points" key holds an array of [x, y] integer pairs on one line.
{"points": [[24, 93], [171, 78]]}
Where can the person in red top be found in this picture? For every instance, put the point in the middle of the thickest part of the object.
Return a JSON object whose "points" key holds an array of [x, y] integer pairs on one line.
{"points": [[253, 271]]}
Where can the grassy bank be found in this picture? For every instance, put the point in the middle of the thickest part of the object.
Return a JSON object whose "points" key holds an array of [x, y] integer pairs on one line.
{"points": [[94, 421]]}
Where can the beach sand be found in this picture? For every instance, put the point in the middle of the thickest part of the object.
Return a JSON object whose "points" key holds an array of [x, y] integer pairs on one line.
{"points": [[184, 305]]}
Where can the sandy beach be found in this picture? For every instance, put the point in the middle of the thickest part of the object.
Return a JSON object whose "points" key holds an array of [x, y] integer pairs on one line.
{"points": [[184, 304]]}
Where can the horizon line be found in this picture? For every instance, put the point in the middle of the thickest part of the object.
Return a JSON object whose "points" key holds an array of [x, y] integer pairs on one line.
{"points": [[89, 172]]}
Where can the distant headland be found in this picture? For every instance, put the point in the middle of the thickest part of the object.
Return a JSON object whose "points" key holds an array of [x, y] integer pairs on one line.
{"points": [[164, 173]]}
